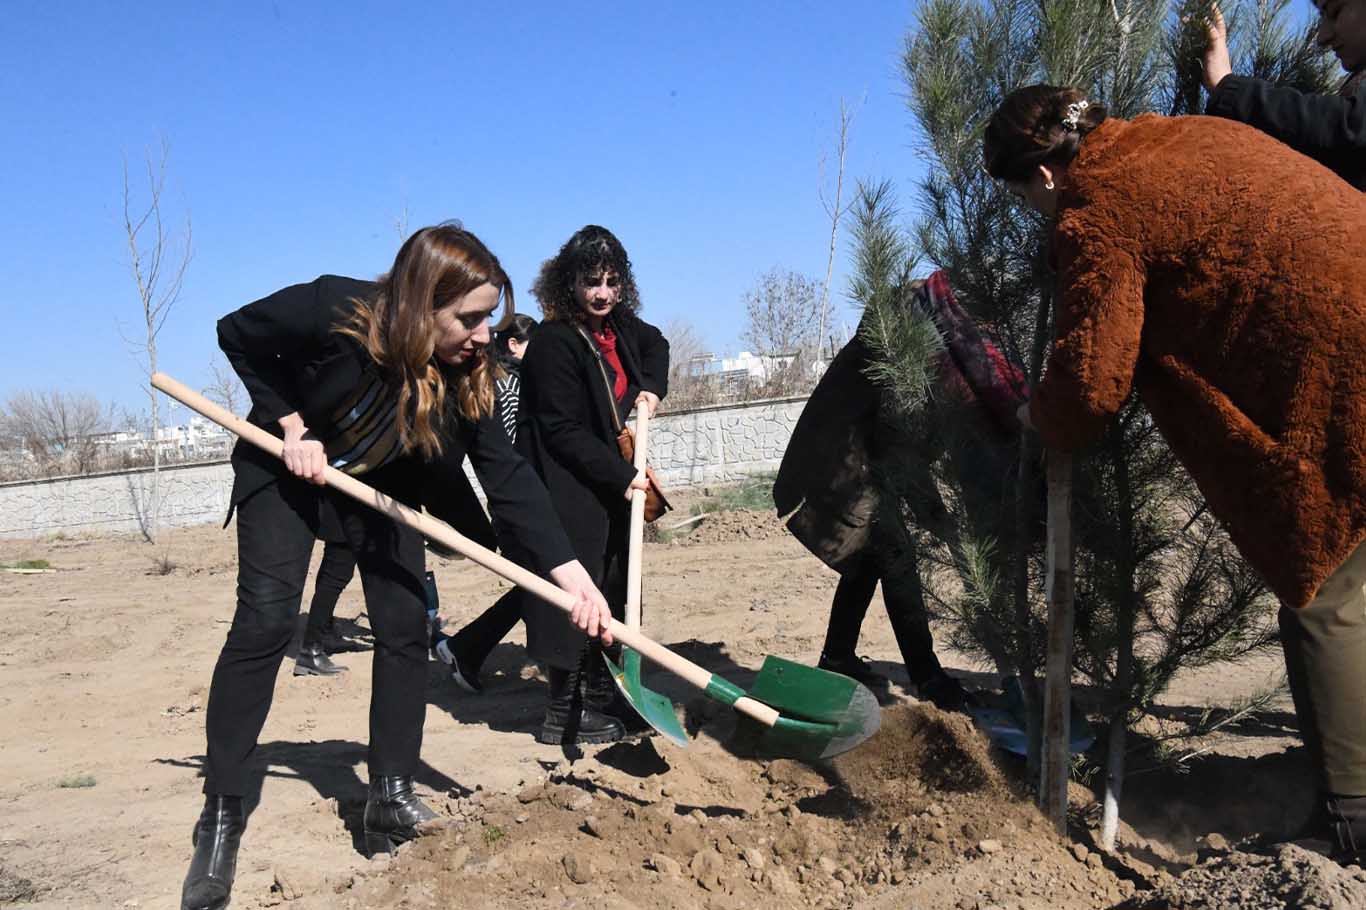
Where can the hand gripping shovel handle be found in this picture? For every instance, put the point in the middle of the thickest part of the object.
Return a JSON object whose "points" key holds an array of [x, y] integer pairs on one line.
{"points": [[447, 536]]}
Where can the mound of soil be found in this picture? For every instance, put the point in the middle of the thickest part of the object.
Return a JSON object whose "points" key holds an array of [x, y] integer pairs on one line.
{"points": [[732, 525], [1287, 877], [917, 813]]}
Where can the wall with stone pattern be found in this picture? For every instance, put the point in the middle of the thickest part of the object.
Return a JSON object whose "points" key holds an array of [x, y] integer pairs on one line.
{"points": [[709, 445]]}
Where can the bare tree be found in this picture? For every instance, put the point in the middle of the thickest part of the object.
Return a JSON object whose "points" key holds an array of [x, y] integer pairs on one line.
{"points": [[225, 387], [57, 429], [688, 385], [835, 209], [158, 260], [782, 325]]}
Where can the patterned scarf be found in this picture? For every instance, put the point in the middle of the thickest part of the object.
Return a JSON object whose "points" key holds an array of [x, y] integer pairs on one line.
{"points": [[970, 366]]}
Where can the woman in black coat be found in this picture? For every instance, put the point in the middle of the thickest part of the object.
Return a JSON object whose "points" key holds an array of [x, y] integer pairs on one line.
{"points": [[1331, 129], [387, 380], [593, 360]]}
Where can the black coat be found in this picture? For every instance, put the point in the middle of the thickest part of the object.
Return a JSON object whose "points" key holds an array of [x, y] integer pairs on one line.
{"points": [[290, 358], [1331, 129], [566, 427]]}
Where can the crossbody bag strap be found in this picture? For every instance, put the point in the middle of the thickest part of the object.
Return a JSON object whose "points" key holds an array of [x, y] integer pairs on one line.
{"points": [[602, 369]]}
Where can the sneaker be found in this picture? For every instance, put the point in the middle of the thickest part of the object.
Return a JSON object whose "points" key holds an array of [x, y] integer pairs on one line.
{"points": [[854, 667], [462, 676]]}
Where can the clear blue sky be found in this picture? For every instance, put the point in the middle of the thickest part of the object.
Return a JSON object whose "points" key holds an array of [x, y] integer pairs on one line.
{"points": [[298, 131]]}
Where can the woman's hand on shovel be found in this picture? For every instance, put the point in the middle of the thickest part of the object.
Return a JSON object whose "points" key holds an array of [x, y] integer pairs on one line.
{"points": [[303, 453], [591, 613]]}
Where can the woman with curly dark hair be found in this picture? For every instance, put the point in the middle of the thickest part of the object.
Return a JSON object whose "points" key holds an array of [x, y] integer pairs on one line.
{"points": [[592, 361]]}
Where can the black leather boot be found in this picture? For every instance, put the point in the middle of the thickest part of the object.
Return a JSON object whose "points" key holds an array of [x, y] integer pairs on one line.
{"points": [[393, 814], [208, 884], [601, 692], [569, 718], [312, 660]]}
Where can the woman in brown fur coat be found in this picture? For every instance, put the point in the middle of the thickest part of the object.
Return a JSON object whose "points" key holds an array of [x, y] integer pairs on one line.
{"points": [[1219, 274]]}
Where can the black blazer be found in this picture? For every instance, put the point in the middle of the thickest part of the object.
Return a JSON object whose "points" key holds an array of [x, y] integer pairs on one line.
{"points": [[290, 358], [566, 428], [1331, 129]]}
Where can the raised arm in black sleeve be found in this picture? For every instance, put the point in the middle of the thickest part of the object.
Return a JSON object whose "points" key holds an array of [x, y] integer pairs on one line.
{"points": [[1331, 129], [518, 500], [553, 393]]}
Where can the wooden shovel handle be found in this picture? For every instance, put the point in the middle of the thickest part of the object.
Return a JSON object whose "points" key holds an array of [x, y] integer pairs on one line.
{"points": [[444, 534], [635, 547]]}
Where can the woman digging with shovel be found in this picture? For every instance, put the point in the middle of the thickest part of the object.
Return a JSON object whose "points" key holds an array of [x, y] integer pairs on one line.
{"points": [[390, 380], [593, 360], [1219, 274]]}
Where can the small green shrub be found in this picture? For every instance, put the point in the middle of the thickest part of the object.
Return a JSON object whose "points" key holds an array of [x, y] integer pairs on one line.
{"points": [[77, 782], [493, 834], [27, 564]]}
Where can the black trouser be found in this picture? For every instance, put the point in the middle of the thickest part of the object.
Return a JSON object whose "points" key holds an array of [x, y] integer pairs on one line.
{"points": [[276, 529], [477, 638], [550, 637], [905, 600], [1325, 659], [334, 574]]}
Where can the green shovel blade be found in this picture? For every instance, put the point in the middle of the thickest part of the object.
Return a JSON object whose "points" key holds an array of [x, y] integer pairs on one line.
{"points": [[657, 710], [822, 714]]}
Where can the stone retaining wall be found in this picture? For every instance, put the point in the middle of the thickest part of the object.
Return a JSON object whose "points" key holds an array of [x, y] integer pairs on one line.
{"points": [[709, 445]]}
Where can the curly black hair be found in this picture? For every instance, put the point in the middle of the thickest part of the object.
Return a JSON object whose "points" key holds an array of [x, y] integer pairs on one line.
{"points": [[591, 251]]}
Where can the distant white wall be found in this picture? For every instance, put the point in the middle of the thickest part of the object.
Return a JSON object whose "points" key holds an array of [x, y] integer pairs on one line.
{"points": [[709, 445]]}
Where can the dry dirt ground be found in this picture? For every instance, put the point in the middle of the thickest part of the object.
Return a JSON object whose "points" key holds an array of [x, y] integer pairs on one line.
{"points": [[104, 668]]}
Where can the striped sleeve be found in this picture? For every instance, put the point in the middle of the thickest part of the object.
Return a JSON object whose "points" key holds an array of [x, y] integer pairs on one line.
{"points": [[508, 391]]}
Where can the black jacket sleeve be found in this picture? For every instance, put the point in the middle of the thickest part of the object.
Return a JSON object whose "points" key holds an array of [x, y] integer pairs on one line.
{"points": [[263, 340], [551, 367], [654, 357], [1331, 129], [521, 507]]}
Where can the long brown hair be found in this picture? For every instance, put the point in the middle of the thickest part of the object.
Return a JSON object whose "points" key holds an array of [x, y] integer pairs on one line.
{"points": [[436, 266], [1027, 130]]}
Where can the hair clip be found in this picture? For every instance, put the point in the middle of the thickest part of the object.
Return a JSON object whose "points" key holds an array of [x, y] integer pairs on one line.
{"points": [[1074, 112]]}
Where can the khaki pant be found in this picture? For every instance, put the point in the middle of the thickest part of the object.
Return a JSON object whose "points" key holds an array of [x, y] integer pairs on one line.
{"points": [[1325, 658]]}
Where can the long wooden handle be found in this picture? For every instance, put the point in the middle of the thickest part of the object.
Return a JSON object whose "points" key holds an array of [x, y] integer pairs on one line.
{"points": [[636, 546], [444, 534]]}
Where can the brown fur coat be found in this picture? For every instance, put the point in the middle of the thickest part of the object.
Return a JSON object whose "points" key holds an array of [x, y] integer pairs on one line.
{"points": [[1221, 275]]}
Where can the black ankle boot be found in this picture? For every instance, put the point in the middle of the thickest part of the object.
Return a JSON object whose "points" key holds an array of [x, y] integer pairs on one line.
{"points": [[393, 814], [601, 693], [208, 885], [569, 718], [312, 660]]}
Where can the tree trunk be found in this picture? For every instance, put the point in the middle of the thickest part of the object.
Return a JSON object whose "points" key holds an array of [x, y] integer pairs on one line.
{"points": [[1126, 619], [1057, 705], [1114, 781]]}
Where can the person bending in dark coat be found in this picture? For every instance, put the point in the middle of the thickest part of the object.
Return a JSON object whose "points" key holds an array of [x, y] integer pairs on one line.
{"points": [[387, 380], [466, 650], [1331, 129], [593, 359]]}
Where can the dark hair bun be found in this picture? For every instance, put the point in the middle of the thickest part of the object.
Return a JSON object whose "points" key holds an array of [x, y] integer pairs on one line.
{"points": [[1038, 124]]}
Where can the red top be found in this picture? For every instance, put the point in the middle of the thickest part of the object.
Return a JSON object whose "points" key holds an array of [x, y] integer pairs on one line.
{"points": [[607, 343]]}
